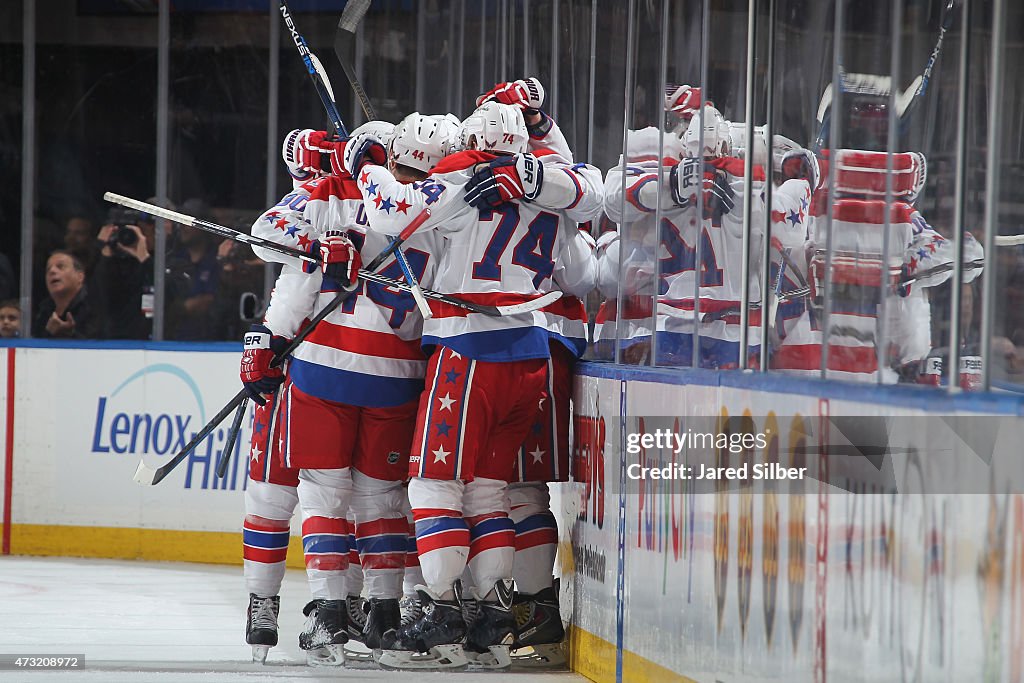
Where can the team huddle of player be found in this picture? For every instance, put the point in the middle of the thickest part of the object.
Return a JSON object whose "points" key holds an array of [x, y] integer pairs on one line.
{"points": [[419, 450], [418, 447]]}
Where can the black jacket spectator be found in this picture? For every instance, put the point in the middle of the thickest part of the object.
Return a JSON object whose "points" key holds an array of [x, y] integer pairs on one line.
{"points": [[68, 311]]}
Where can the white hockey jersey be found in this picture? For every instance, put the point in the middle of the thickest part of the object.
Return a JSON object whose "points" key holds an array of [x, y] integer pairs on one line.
{"points": [[671, 250], [367, 352], [508, 255]]}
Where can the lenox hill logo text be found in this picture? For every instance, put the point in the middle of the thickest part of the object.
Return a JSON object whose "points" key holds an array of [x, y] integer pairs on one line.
{"points": [[153, 414]]}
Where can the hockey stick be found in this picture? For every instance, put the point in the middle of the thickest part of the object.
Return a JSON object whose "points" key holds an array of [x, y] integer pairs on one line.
{"points": [[229, 441], [350, 18], [925, 78], [366, 273], [147, 475], [344, 50], [316, 72]]}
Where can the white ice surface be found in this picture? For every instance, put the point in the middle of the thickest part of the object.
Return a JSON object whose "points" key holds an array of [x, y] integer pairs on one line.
{"points": [[142, 622]]}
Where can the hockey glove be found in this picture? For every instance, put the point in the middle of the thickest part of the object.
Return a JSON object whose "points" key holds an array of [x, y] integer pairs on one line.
{"points": [[684, 179], [527, 94], [296, 154], [339, 259], [505, 179], [258, 375], [719, 197], [683, 101], [365, 148], [303, 152]]}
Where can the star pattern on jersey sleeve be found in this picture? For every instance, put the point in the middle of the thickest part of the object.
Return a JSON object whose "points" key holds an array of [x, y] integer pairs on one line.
{"points": [[292, 230], [403, 206], [377, 200], [447, 401], [387, 205], [441, 455], [271, 216], [451, 376], [304, 242], [281, 224], [442, 428], [794, 218], [371, 188]]}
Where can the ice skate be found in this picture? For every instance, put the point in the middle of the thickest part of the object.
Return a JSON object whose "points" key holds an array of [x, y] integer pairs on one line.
{"points": [[355, 608], [432, 642], [325, 633], [490, 637], [382, 616], [539, 631], [261, 625], [411, 607]]}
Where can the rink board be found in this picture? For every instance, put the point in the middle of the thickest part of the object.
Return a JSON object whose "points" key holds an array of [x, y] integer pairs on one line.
{"points": [[83, 418], [811, 583]]}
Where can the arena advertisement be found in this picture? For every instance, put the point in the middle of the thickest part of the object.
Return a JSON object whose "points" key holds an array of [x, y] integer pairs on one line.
{"points": [[842, 575], [595, 524], [83, 420]]}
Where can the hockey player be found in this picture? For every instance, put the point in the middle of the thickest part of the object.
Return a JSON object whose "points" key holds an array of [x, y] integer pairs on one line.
{"points": [[270, 501], [543, 457], [700, 214], [270, 495], [486, 375], [349, 406]]}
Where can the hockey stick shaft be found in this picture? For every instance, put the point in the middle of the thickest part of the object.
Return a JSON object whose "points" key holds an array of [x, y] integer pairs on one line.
{"points": [[365, 273], [146, 475], [315, 70], [229, 442], [343, 37]]}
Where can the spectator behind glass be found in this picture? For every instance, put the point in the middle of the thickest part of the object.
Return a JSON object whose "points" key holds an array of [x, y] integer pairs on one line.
{"points": [[193, 275], [80, 240], [123, 276], [10, 319], [67, 311]]}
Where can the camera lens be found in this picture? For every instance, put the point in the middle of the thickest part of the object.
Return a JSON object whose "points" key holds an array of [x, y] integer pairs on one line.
{"points": [[126, 236]]}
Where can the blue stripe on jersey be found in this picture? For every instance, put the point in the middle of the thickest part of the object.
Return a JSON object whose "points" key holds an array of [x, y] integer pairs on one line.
{"points": [[324, 543], [385, 543], [265, 539], [577, 347], [496, 346], [436, 525], [353, 388], [490, 526], [533, 522]]}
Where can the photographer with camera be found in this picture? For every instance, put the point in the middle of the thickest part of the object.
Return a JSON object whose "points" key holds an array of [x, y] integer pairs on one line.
{"points": [[123, 277]]}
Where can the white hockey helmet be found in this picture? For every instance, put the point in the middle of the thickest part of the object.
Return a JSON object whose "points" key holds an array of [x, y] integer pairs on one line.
{"points": [[716, 138], [382, 129], [419, 142], [738, 143], [495, 127], [449, 124]]}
